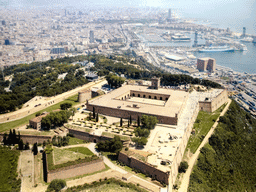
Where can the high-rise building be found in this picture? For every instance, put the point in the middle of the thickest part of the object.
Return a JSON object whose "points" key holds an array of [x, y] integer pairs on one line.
{"points": [[7, 42], [206, 63], [211, 65], [202, 64], [169, 19], [195, 41], [91, 37], [244, 31]]}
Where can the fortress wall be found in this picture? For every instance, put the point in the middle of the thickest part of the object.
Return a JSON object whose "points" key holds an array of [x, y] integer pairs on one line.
{"points": [[87, 136], [76, 170], [31, 139], [126, 114], [144, 167], [182, 146]]}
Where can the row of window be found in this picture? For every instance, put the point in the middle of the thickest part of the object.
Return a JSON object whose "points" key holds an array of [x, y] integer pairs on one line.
{"points": [[144, 96]]}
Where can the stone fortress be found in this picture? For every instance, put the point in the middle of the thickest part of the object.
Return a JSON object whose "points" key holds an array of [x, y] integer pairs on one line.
{"points": [[176, 111]]}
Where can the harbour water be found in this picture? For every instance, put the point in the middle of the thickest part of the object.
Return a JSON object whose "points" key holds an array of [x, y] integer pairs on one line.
{"points": [[240, 61]]}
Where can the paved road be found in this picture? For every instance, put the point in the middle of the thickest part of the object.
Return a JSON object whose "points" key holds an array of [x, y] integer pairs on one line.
{"points": [[192, 160], [21, 112]]}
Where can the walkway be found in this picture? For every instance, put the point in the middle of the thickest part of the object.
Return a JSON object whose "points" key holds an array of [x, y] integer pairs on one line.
{"points": [[130, 177], [185, 180]]}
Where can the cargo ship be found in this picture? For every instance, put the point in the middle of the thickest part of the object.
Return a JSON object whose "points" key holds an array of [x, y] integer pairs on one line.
{"points": [[180, 37], [216, 49]]}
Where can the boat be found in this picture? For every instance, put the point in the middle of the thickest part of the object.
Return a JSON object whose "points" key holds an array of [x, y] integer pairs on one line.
{"points": [[180, 38], [247, 39], [216, 49]]}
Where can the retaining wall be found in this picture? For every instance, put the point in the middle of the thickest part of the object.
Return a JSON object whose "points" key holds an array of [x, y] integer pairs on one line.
{"points": [[144, 167], [31, 139]]}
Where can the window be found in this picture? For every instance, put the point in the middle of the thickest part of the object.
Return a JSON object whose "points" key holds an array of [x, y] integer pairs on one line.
{"points": [[144, 96], [138, 95], [161, 98], [166, 99], [149, 96], [155, 97], [133, 95]]}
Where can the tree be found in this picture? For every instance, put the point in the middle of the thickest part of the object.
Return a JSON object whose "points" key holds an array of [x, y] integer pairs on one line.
{"points": [[26, 146], [183, 167], [130, 119], [56, 185], [5, 141], [128, 123], [149, 122], [140, 140], [35, 149], [97, 117], [93, 113], [121, 122], [65, 106], [114, 145], [138, 121], [38, 114], [21, 145]]}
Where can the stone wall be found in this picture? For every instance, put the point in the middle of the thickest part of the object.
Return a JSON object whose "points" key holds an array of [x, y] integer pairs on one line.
{"points": [[87, 136], [84, 95], [144, 167], [31, 139], [216, 102], [76, 170], [126, 114], [182, 146]]}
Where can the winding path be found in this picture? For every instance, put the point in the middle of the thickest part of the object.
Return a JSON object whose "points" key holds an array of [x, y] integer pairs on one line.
{"points": [[185, 180]]}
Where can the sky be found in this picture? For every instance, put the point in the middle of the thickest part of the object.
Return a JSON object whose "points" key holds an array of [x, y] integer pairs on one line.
{"points": [[230, 13]]}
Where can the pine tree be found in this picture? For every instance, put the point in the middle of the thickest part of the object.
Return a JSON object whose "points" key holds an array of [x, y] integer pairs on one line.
{"points": [[138, 121], [130, 119], [21, 145], [35, 149], [93, 113], [121, 122], [128, 123], [97, 117]]}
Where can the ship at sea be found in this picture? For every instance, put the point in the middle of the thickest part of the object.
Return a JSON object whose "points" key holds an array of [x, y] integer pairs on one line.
{"points": [[216, 49], [180, 37]]}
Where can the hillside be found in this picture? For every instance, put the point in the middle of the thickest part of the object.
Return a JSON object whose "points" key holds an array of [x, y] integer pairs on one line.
{"points": [[228, 163]]}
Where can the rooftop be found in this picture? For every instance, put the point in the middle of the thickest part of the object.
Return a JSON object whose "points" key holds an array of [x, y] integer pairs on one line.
{"points": [[169, 107]]}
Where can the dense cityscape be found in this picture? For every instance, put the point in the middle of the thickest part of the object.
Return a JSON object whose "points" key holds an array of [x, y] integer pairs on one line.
{"points": [[125, 98]]}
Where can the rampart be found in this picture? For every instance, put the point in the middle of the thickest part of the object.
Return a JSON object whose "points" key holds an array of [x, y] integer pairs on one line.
{"points": [[74, 170], [87, 136], [122, 113], [144, 167], [31, 139]]}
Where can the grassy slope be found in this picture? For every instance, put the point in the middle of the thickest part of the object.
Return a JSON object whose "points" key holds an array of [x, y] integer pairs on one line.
{"points": [[228, 163], [8, 170], [13, 124], [202, 126]]}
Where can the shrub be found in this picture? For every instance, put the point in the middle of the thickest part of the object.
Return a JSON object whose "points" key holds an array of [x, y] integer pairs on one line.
{"points": [[56, 185], [183, 167]]}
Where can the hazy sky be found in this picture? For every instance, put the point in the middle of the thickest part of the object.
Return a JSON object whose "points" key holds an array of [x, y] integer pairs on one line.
{"points": [[233, 12]]}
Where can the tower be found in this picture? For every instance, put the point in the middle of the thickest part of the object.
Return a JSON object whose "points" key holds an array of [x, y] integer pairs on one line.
{"points": [[91, 37], [195, 41], [155, 83], [244, 31], [169, 19]]}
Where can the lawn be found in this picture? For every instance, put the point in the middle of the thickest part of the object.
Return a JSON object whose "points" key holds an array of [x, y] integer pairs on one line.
{"points": [[13, 124], [202, 126], [112, 135], [75, 141], [111, 187], [70, 154]]}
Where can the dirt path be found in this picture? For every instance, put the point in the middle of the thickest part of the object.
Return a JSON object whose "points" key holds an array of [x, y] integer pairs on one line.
{"points": [[185, 180]]}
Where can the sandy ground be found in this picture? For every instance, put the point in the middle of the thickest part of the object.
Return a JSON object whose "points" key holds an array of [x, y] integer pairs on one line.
{"points": [[185, 180]]}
